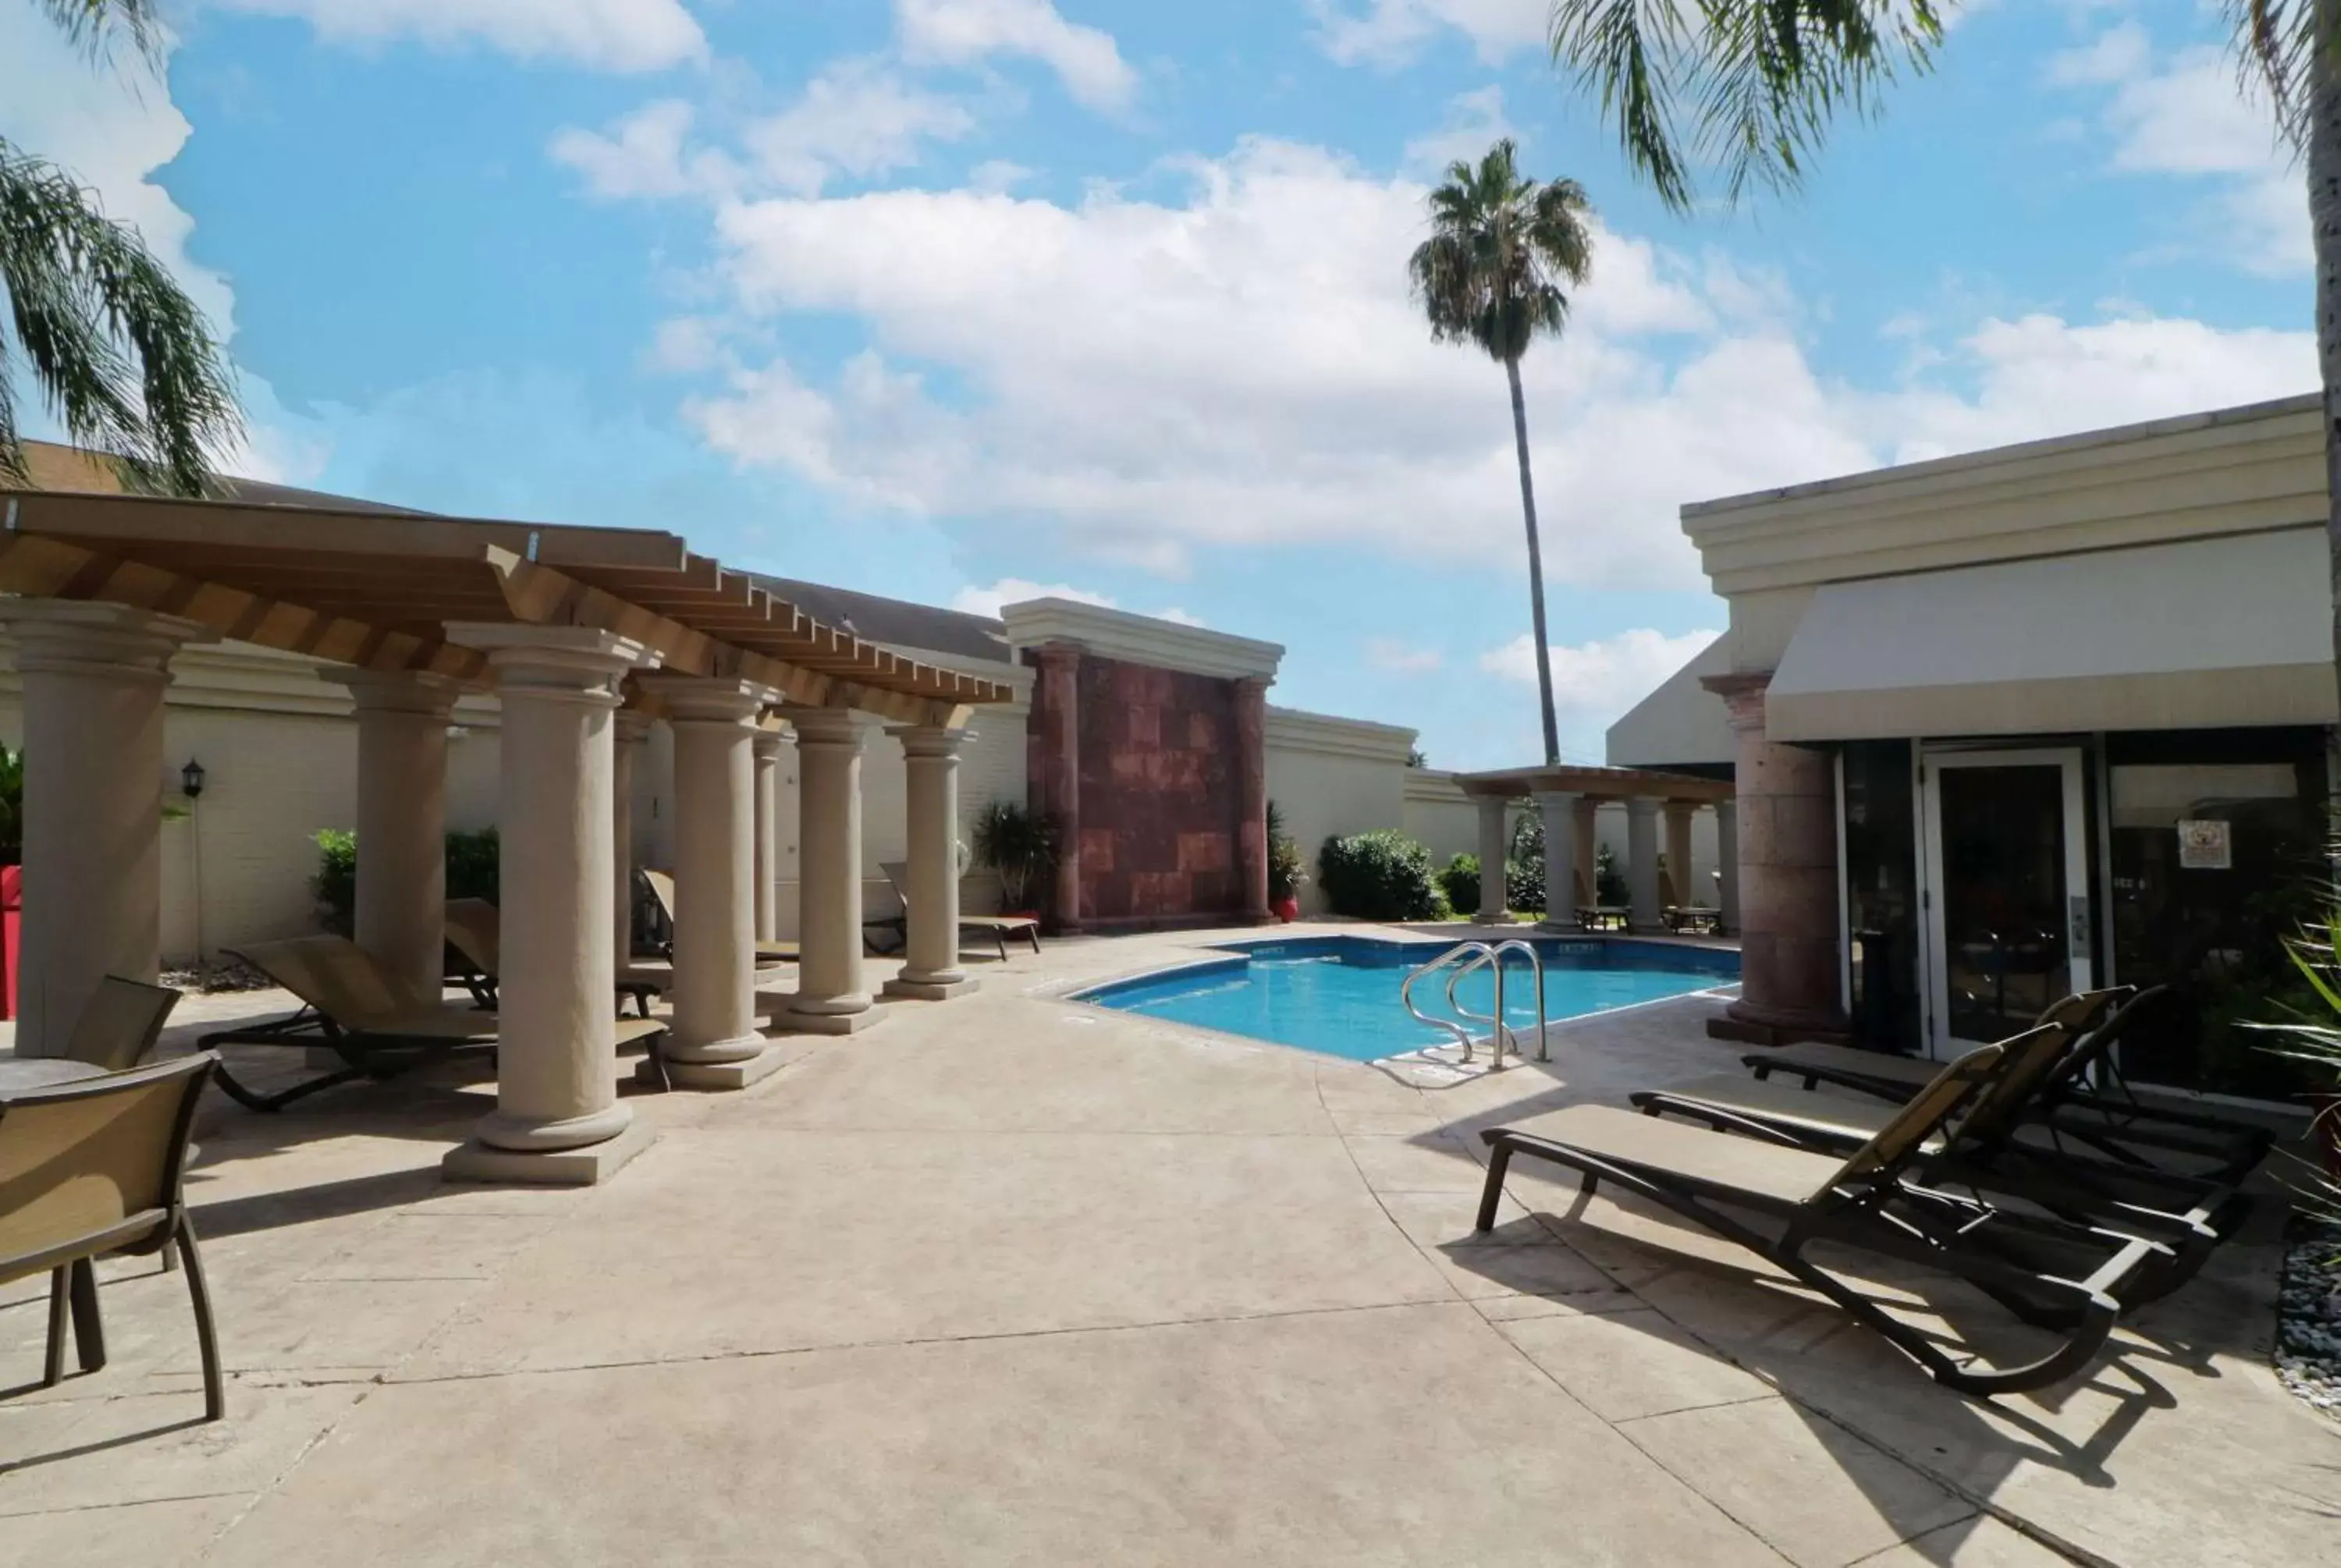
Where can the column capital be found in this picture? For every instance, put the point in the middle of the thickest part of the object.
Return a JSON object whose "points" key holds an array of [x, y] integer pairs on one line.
{"points": [[819, 726], [931, 740], [1558, 799], [1493, 806], [631, 726], [1058, 655], [1644, 805], [706, 698], [769, 742], [580, 663], [1253, 685], [94, 637], [396, 690], [1743, 694]]}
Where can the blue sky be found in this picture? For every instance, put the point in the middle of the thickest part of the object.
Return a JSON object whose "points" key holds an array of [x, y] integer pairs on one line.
{"points": [[955, 299]]}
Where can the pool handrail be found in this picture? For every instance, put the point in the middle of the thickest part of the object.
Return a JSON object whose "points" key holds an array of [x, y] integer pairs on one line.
{"points": [[1493, 958], [1406, 998]]}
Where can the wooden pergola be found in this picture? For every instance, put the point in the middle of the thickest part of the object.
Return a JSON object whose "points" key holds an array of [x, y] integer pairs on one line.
{"points": [[1568, 796], [584, 635]]}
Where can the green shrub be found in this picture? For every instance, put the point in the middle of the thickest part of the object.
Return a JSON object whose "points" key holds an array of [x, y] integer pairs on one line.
{"points": [[1609, 882], [1461, 883], [1379, 875], [1524, 872], [471, 873], [1285, 873]]}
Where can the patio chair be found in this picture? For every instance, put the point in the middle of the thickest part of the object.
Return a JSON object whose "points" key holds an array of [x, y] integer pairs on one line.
{"points": [[999, 927], [2053, 1276], [1987, 1156], [474, 931], [92, 1168], [379, 1027], [120, 1023], [2124, 1130], [661, 887]]}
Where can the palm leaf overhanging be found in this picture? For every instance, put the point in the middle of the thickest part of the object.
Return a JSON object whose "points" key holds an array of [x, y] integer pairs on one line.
{"points": [[121, 357]]}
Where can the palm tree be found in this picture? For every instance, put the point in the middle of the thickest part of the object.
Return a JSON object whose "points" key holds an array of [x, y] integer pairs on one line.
{"points": [[1749, 87], [1492, 273], [121, 355]]}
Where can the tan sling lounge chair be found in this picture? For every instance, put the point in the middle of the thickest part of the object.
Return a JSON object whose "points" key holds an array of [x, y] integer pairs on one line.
{"points": [[661, 887], [474, 930], [120, 1023], [379, 1027], [91, 1168], [999, 927], [2049, 1273]]}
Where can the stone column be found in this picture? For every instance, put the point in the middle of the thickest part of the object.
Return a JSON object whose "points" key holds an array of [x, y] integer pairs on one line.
{"points": [[1056, 780], [1644, 911], [1680, 889], [558, 1119], [1788, 882], [1558, 810], [714, 1044], [401, 821], [1588, 850], [1493, 843], [930, 967], [94, 675], [768, 747], [831, 997], [1726, 864], [630, 727], [1252, 795]]}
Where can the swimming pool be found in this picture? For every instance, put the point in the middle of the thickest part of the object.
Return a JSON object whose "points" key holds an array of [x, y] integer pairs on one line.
{"points": [[1338, 994]]}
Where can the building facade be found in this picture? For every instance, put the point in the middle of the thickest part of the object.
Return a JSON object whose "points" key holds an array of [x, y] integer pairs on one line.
{"points": [[2022, 722]]}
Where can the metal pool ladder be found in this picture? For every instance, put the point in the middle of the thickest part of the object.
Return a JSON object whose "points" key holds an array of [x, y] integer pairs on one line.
{"points": [[1467, 957]]}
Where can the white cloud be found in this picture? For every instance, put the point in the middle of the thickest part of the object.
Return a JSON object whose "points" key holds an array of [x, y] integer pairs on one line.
{"points": [[986, 599], [1474, 121], [1243, 367], [1392, 32], [858, 117], [2190, 116], [1399, 658], [1594, 682], [606, 34], [968, 32], [643, 154]]}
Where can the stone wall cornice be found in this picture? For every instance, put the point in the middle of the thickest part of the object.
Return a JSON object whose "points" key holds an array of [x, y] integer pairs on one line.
{"points": [[1140, 639]]}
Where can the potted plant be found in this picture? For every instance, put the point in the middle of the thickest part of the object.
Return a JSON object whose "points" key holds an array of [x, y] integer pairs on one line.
{"points": [[1285, 874], [1019, 846]]}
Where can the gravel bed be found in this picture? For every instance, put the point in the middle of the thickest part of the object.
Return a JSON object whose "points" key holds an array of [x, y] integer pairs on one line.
{"points": [[2309, 1318], [226, 975]]}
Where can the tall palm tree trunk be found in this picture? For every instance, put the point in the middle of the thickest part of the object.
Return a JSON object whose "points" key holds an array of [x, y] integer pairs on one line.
{"points": [[1536, 559], [2325, 217]]}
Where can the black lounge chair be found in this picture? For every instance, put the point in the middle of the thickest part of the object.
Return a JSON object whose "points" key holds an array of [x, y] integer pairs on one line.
{"points": [[2123, 1130], [1988, 1159], [2049, 1273]]}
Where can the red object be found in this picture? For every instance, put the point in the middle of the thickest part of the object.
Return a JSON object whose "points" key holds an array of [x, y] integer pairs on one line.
{"points": [[1288, 910], [11, 915]]}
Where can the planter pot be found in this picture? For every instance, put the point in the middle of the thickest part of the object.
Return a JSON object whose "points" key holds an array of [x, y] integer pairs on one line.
{"points": [[1287, 909]]}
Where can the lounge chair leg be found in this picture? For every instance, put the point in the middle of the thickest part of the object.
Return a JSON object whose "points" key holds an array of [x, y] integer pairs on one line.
{"points": [[53, 1370], [1499, 1160], [207, 1337], [89, 1328]]}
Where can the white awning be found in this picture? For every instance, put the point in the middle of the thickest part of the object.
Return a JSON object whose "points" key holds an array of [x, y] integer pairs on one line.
{"points": [[2206, 634]]}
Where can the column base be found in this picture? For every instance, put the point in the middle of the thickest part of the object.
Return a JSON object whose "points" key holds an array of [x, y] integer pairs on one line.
{"points": [[714, 1053], [906, 987], [736, 1073], [587, 1167], [789, 1021]]}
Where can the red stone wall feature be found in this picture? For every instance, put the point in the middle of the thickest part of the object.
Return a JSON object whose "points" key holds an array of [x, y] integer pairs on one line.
{"points": [[1160, 793]]}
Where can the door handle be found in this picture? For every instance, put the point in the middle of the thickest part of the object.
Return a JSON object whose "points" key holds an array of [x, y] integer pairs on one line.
{"points": [[2080, 940]]}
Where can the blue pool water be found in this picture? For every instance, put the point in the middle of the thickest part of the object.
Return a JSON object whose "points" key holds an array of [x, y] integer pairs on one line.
{"points": [[1338, 994]]}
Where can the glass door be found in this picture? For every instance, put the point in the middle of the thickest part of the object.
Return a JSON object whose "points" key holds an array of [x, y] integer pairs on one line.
{"points": [[2006, 891]]}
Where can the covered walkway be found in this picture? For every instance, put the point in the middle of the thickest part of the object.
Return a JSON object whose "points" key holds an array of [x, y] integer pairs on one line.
{"points": [[587, 637]]}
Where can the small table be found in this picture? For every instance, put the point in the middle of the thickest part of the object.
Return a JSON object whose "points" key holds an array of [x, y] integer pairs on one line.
{"points": [[1694, 920], [1600, 917], [18, 1074]]}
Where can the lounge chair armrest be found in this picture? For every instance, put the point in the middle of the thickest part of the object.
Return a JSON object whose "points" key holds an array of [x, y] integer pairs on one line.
{"points": [[1659, 1102]]}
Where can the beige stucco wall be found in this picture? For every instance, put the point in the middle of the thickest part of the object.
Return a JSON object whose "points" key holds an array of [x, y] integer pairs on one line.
{"points": [[1330, 777], [1441, 815]]}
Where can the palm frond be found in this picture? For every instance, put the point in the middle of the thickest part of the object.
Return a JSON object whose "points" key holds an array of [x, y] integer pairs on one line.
{"points": [[1504, 251], [2274, 43], [1755, 81], [121, 355], [94, 25]]}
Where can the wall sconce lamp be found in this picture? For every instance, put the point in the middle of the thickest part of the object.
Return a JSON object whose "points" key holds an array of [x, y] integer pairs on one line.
{"points": [[191, 779]]}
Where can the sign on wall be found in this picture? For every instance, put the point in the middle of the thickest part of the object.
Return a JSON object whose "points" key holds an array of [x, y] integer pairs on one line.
{"points": [[2204, 845]]}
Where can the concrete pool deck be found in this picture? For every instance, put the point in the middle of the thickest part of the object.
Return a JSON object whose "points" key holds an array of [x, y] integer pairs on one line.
{"points": [[1009, 1279]]}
